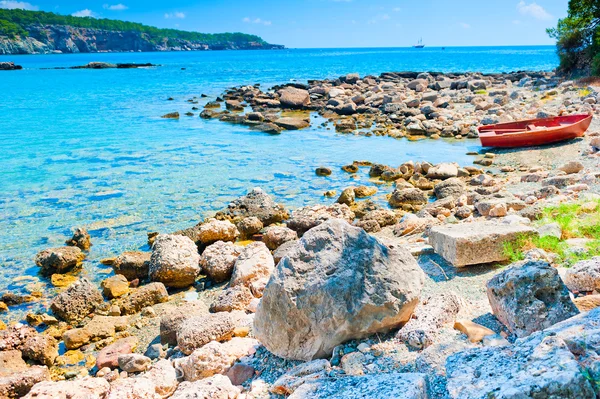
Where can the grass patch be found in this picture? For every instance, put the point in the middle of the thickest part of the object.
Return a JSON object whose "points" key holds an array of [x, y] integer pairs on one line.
{"points": [[584, 92], [481, 92]]}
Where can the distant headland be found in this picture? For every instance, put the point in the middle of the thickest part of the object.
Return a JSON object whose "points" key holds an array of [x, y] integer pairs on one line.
{"points": [[38, 32]]}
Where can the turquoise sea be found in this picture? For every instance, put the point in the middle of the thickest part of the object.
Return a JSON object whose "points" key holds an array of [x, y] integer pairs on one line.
{"points": [[88, 147]]}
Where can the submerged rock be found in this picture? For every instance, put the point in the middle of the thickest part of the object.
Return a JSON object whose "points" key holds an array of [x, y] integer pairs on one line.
{"points": [[81, 238], [59, 260], [337, 283]]}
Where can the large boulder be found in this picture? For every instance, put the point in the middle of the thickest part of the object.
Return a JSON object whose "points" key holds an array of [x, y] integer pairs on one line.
{"points": [[253, 268], [337, 283], [529, 297], [475, 243], [133, 265], [218, 259], [256, 203], [291, 97], [77, 301], [304, 219], [175, 261], [59, 260]]}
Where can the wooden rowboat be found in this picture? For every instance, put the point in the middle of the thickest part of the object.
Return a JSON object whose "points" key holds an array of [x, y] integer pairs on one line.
{"points": [[534, 131]]}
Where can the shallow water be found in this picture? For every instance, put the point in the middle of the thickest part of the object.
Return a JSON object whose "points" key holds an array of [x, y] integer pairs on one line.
{"points": [[88, 147]]}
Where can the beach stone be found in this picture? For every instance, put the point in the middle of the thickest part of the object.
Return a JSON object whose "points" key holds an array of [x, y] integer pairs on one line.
{"points": [[408, 197], [347, 196], [249, 226], [253, 268], [550, 230], [364, 191], [132, 388], [171, 115], [146, 295], [198, 331], [240, 373], [323, 171], [498, 210], [529, 296], [351, 168], [305, 218], [474, 243], [133, 362], [215, 358], [300, 374], [423, 329], [115, 286], [233, 298], [83, 388], [81, 239], [77, 301], [218, 259], [292, 123], [587, 303], [450, 188], [584, 275], [371, 386], [164, 377], [442, 171], [561, 181], [291, 97], [170, 322], [215, 387], [133, 265], [413, 224], [14, 336], [59, 260], [275, 236], [317, 298], [571, 167], [99, 327], [16, 378], [42, 349], [256, 203], [175, 261], [215, 230], [109, 355], [383, 217]]}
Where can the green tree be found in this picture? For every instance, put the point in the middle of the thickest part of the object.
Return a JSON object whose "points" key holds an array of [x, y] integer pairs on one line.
{"points": [[578, 38]]}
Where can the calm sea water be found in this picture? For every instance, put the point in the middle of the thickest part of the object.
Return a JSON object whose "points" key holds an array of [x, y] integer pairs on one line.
{"points": [[88, 147]]}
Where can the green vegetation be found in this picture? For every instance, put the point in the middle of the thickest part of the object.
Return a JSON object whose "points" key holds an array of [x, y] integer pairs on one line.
{"points": [[14, 22], [578, 38], [577, 220]]}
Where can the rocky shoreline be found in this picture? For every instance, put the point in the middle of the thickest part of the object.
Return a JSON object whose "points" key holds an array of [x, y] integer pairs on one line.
{"points": [[471, 283]]}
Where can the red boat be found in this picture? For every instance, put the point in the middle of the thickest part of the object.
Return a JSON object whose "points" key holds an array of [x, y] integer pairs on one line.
{"points": [[534, 131]]}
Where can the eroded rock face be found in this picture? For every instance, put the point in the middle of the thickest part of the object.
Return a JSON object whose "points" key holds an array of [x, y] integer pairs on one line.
{"points": [[77, 301], [16, 378], [529, 297], [256, 203], [59, 260], [175, 261], [337, 283], [84, 388]]}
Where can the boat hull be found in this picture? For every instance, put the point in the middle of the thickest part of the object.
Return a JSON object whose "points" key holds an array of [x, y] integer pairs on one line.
{"points": [[544, 131]]}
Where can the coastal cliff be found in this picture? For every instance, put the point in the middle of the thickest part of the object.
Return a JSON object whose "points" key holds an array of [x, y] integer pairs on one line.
{"points": [[33, 32]]}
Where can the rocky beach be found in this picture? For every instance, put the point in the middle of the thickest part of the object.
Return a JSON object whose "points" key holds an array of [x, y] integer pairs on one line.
{"points": [[418, 280]]}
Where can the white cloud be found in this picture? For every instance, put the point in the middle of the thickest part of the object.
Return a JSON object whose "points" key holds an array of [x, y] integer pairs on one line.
{"points": [[396, 9], [115, 7], [12, 5], [534, 9], [465, 25], [248, 20], [83, 13], [176, 14]]}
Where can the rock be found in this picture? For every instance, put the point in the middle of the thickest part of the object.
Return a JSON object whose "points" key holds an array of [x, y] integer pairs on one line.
{"points": [[218, 259], [132, 388], [498, 210], [292, 123], [15, 336], [584, 275], [249, 226], [42, 349], [423, 329], [300, 374], [170, 322], [115, 286], [291, 97], [561, 181], [352, 168], [450, 188], [475, 243], [215, 358], [371, 386], [215, 230], [442, 171], [364, 191], [215, 387], [77, 301], [550, 230], [133, 362], [253, 268], [146, 295], [317, 299], [283, 250], [9, 66], [353, 363], [572, 167], [587, 303], [81, 239], [233, 298], [175, 261], [198, 331], [109, 355], [323, 171], [383, 217], [412, 224], [16, 378], [275, 236], [474, 332], [133, 265], [304, 219], [347, 197], [240, 373], [171, 115], [155, 351], [256, 203], [59, 260], [529, 297], [84, 388], [164, 377], [409, 198]]}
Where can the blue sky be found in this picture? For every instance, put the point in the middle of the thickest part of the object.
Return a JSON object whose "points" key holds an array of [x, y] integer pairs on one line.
{"points": [[336, 23]]}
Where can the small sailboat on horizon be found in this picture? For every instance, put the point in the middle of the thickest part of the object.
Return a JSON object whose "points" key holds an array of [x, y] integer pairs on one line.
{"points": [[419, 44]]}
